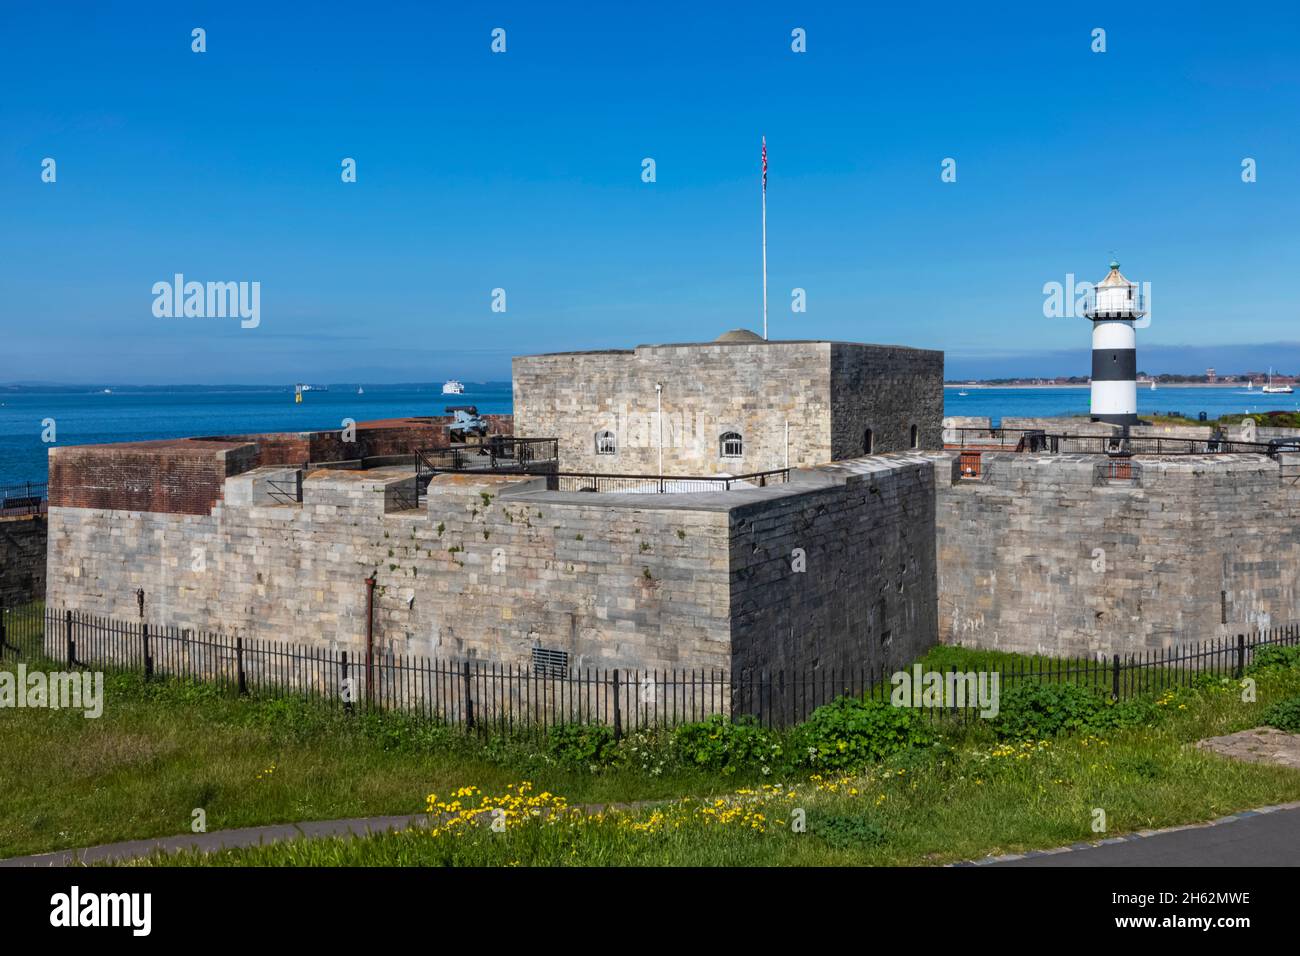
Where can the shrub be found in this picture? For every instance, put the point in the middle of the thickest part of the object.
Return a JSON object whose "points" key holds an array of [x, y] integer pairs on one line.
{"points": [[581, 745], [1274, 657], [1284, 715], [849, 733], [848, 832], [1035, 711], [1038, 711], [726, 745]]}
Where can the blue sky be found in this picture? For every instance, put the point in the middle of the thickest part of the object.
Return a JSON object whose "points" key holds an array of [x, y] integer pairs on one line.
{"points": [[522, 171]]}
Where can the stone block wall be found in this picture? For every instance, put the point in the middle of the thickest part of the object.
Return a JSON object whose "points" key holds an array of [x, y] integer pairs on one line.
{"points": [[750, 388], [1036, 556], [839, 573], [805, 403], [494, 566], [22, 559], [889, 390]]}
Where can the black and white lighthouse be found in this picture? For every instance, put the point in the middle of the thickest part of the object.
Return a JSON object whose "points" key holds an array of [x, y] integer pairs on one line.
{"points": [[1116, 306]]}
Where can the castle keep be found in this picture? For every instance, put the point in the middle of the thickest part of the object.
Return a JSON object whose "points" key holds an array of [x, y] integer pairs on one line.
{"points": [[890, 528]]}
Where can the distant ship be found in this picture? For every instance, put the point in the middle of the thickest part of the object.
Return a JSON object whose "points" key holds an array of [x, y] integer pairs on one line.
{"points": [[360, 390], [1271, 389], [303, 387], [1153, 385], [452, 387]]}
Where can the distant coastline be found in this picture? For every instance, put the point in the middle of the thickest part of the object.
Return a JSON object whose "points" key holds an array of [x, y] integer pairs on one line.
{"points": [[1141, 384]]}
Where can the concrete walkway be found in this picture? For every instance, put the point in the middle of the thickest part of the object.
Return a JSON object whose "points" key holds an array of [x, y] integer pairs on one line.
{"points": [[254, 836], [1269, 836]]}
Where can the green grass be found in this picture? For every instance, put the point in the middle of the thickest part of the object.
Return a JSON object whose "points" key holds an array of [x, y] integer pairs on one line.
{"points": [[165, 748], [976, 800], [161, 750]]}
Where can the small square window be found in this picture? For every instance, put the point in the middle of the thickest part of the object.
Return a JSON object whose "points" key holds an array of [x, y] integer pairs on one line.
{"points": [[606, 444], [732, 445]]}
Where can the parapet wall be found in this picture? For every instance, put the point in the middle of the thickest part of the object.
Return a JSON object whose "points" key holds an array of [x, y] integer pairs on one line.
{"points": [[1037, 556]]}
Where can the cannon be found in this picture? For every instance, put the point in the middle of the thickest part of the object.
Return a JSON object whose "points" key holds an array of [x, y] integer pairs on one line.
{"points": [[466, 422]]}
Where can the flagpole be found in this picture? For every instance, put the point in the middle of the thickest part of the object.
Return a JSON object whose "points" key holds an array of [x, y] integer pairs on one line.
{"points": [[764, 237]]}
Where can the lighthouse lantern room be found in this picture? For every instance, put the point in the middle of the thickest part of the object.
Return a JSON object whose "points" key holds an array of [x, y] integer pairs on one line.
{"points": [[1116, 306]]}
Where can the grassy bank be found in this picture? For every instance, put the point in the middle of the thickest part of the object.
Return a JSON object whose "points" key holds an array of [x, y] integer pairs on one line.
{"points": [[941, 792]]}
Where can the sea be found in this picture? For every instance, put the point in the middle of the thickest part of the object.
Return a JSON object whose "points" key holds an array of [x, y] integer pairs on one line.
{"points": [[34, 418]]}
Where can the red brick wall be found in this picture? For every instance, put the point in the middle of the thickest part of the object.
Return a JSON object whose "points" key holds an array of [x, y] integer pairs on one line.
{"points": [[186, 475], [182, 476]]}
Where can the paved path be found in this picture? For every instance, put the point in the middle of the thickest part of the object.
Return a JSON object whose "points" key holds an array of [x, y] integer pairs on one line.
{"points": [[1269, 836], [252, 836]]}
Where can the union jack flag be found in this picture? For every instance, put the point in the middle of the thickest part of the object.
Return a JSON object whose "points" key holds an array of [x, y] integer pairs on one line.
{"points": [[764, 164]]}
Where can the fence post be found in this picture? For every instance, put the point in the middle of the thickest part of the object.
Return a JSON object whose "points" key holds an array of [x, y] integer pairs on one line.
{"points": [[618, 710], [148, 658], [67, 632], [469, 701], [1114, 683], [345, 687], [1241, 656], [239, 666]]}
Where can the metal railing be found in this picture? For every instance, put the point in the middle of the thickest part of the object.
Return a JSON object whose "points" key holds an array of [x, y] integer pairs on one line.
{"points": [[661, 484], [1037, 440], [489, 697], [28, 498], [285, 492]]}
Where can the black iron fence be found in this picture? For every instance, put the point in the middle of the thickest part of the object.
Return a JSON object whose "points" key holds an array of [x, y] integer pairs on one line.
{"points": [[30, 497], [482, 696], [1037, 440]]}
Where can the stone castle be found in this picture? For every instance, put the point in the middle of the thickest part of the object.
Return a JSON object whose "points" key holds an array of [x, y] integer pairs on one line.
{"points": [[819, 513]]}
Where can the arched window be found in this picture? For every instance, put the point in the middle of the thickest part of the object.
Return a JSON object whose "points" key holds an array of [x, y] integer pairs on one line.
{"points": [[731, 445], [916, 437], [606, 443], [868, 442]]}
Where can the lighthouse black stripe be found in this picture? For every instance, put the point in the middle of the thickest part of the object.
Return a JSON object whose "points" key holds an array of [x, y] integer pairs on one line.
{"points": [[1127, 418], [1114, 365]]}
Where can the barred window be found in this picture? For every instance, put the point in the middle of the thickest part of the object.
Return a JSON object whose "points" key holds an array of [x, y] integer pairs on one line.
{"points": [[606, 444], [732, 445]]}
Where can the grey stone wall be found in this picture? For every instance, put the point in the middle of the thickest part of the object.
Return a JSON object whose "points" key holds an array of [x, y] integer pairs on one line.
{"points": [[864, 533], [22, 559], [494, 566], [490, 568], [888, 389], [1198, 547], [820, 396], [753, 389]]}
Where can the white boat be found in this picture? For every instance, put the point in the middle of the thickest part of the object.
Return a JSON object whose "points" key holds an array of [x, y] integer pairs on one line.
{"points": [[1153, 385], [360, 390], [1271, 389], [963, 394], [452, 387], [304, 387]]}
